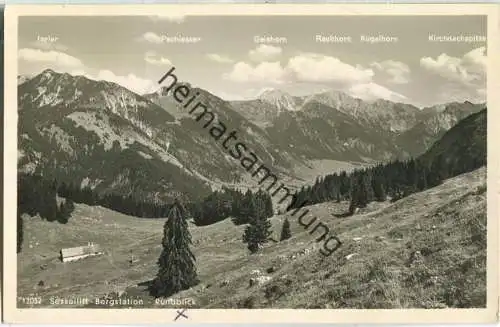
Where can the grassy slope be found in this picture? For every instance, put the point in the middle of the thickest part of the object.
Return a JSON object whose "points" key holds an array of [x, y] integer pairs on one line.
{"points": [[446, 224]]}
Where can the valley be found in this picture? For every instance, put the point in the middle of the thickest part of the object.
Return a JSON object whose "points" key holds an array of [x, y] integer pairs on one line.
{"points": [[70, 126]]}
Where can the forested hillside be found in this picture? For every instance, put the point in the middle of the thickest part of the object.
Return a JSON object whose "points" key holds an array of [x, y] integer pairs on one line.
{"points": [[38, 196], [462, 149]]}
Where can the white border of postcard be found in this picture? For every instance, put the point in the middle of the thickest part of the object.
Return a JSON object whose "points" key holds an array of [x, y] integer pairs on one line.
{"points": [[146, 316]]}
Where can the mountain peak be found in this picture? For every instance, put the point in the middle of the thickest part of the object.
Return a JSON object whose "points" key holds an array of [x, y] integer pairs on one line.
{"points": [[334, 93], [46, 76], [51, 88], [164, 91], [272, 93], [335, 99], [48, 72], [279, 98]]}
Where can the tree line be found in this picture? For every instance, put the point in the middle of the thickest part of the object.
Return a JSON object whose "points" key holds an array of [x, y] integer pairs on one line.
{"points": [[231, 203], [391, 181], [38, 195]]}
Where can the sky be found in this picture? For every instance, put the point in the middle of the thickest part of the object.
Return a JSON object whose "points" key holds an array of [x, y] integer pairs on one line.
{"points": [[225, 58]]}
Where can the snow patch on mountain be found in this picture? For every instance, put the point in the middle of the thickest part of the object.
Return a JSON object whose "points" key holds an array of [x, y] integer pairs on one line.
{"points": [[46, 98], [77, 94], [41, 90], [25, 136], [47, 76], [92, 184], [280, 99], [122, 100], [144, 155]]}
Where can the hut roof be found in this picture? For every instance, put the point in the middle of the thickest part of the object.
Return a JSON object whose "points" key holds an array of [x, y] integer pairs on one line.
{"points": [[80, 250]]}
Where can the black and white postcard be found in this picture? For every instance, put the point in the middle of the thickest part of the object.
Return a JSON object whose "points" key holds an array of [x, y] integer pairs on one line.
{"points": [[168, 163]]}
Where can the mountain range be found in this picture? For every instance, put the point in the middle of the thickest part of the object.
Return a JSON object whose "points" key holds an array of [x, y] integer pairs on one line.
{"points": [[102, 135]]}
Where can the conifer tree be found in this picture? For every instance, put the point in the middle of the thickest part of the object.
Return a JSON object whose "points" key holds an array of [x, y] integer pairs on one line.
{"points": [[236, 206], [285, 230], [378, 188], [422, 181], [268, 204], [61, 214], [359, 192], [354, 188], [177, 270], [260, 205], [259, 229], [247, 210], [65, 209]]}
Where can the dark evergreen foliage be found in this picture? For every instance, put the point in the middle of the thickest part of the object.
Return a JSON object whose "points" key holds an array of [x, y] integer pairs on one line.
{"points": [[228, 202], [259, 229], [177, 270], [37, 195], [286, 233], [359, 191], [65, 209], [129, 205]]}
